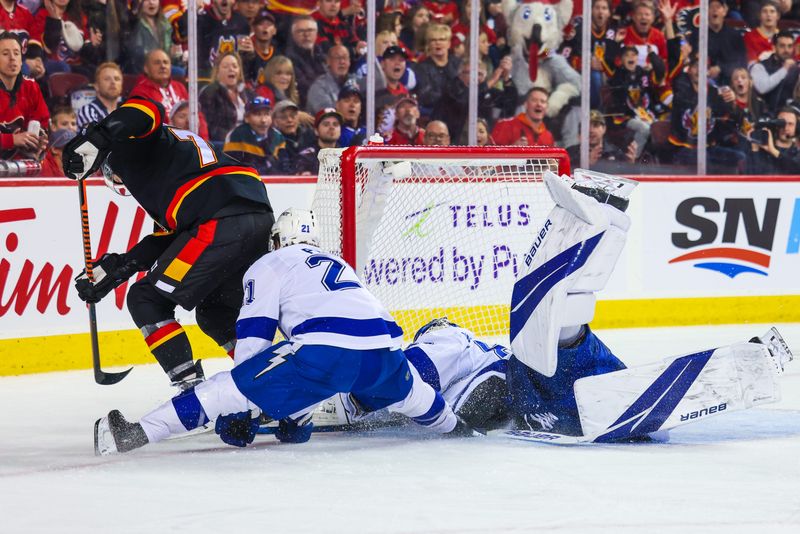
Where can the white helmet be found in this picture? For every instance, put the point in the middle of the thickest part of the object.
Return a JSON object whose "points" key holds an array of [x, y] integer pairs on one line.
{"points": [[295, 226]]}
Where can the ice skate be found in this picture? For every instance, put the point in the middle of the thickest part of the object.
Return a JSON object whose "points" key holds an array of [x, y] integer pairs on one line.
{"points": [[190, 379], [462, 430], [341, 409], [778, 349], [113, 434]]}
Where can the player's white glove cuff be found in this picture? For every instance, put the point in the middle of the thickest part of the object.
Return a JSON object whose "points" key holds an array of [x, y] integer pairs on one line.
{"points": [[85, 153]]}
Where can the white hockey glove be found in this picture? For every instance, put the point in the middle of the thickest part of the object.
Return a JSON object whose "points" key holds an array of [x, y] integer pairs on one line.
{"points": [[85, 154]]}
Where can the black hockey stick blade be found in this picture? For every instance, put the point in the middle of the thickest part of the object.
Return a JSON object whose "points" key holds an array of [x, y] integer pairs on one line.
{"points": [[108, 379], [101, 377]]}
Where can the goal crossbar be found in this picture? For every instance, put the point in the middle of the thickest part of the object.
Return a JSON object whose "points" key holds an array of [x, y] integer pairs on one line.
{"points": [[498, 155]]}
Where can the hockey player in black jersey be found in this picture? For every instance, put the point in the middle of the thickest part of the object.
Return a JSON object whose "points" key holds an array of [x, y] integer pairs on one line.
{"points": [[214, 221]]}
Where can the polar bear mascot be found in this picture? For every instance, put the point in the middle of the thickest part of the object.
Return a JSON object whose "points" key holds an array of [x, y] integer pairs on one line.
{"points": [[535, 33]]}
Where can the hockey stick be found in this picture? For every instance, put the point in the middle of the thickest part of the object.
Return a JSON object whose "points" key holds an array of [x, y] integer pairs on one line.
{"points": [[358, 426], [100, 376], [552, 438], [540, 437], [353, 427]]}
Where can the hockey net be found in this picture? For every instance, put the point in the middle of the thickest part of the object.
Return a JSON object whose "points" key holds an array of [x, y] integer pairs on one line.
{"points": [[436, 231]]}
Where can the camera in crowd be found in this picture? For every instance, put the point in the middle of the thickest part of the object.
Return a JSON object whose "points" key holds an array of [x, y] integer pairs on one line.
{"points": [[759, 134]]}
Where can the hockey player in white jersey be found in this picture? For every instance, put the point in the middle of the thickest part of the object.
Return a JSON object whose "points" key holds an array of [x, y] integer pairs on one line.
{"points": [[469, 373], [339, 339]]}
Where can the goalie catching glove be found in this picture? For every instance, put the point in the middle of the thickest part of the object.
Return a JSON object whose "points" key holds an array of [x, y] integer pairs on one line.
{"points": [[109, 271], [84, 155]]}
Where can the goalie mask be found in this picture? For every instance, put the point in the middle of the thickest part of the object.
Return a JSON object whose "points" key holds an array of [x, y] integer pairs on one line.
{"points": [[295, 226], [113, 181]]}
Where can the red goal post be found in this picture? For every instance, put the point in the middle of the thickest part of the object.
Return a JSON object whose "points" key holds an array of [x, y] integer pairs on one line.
{"points": [[436, 230]]}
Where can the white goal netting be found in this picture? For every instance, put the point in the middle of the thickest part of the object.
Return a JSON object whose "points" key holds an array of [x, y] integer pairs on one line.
{"points": [[434, 232]]}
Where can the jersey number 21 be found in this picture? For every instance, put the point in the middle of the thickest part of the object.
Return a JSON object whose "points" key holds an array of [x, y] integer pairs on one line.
{"points": [[332, 272]]}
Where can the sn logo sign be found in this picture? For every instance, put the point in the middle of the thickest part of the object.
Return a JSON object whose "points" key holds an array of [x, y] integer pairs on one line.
{"points": [[715, 240]]}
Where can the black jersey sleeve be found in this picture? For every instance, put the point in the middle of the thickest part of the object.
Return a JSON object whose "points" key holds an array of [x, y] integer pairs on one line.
{"points": [[137, 118]]}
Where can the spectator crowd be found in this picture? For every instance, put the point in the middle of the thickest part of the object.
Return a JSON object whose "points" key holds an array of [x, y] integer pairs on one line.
{"points": [[282, 80]]}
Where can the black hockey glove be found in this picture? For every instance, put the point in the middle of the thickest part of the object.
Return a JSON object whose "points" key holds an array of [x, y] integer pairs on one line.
{"points": [[109, 271], [237, 429], [86, 152], [292, 431]]}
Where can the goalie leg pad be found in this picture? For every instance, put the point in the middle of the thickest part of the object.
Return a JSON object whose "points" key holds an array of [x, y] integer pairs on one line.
{"points": [[573, 257], [676, 391], [548, 404]]}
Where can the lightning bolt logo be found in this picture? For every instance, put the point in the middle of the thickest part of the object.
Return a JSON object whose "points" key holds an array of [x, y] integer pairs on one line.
{"points": [[280, 356]]}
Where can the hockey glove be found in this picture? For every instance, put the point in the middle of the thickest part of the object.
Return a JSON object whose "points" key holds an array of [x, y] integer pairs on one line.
{"points": [[291, 431], [86, 152], [237, 429], [109, 271]]}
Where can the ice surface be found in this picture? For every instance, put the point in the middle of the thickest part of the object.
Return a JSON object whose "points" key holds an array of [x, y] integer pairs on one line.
{"points": [[735, 473]]}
